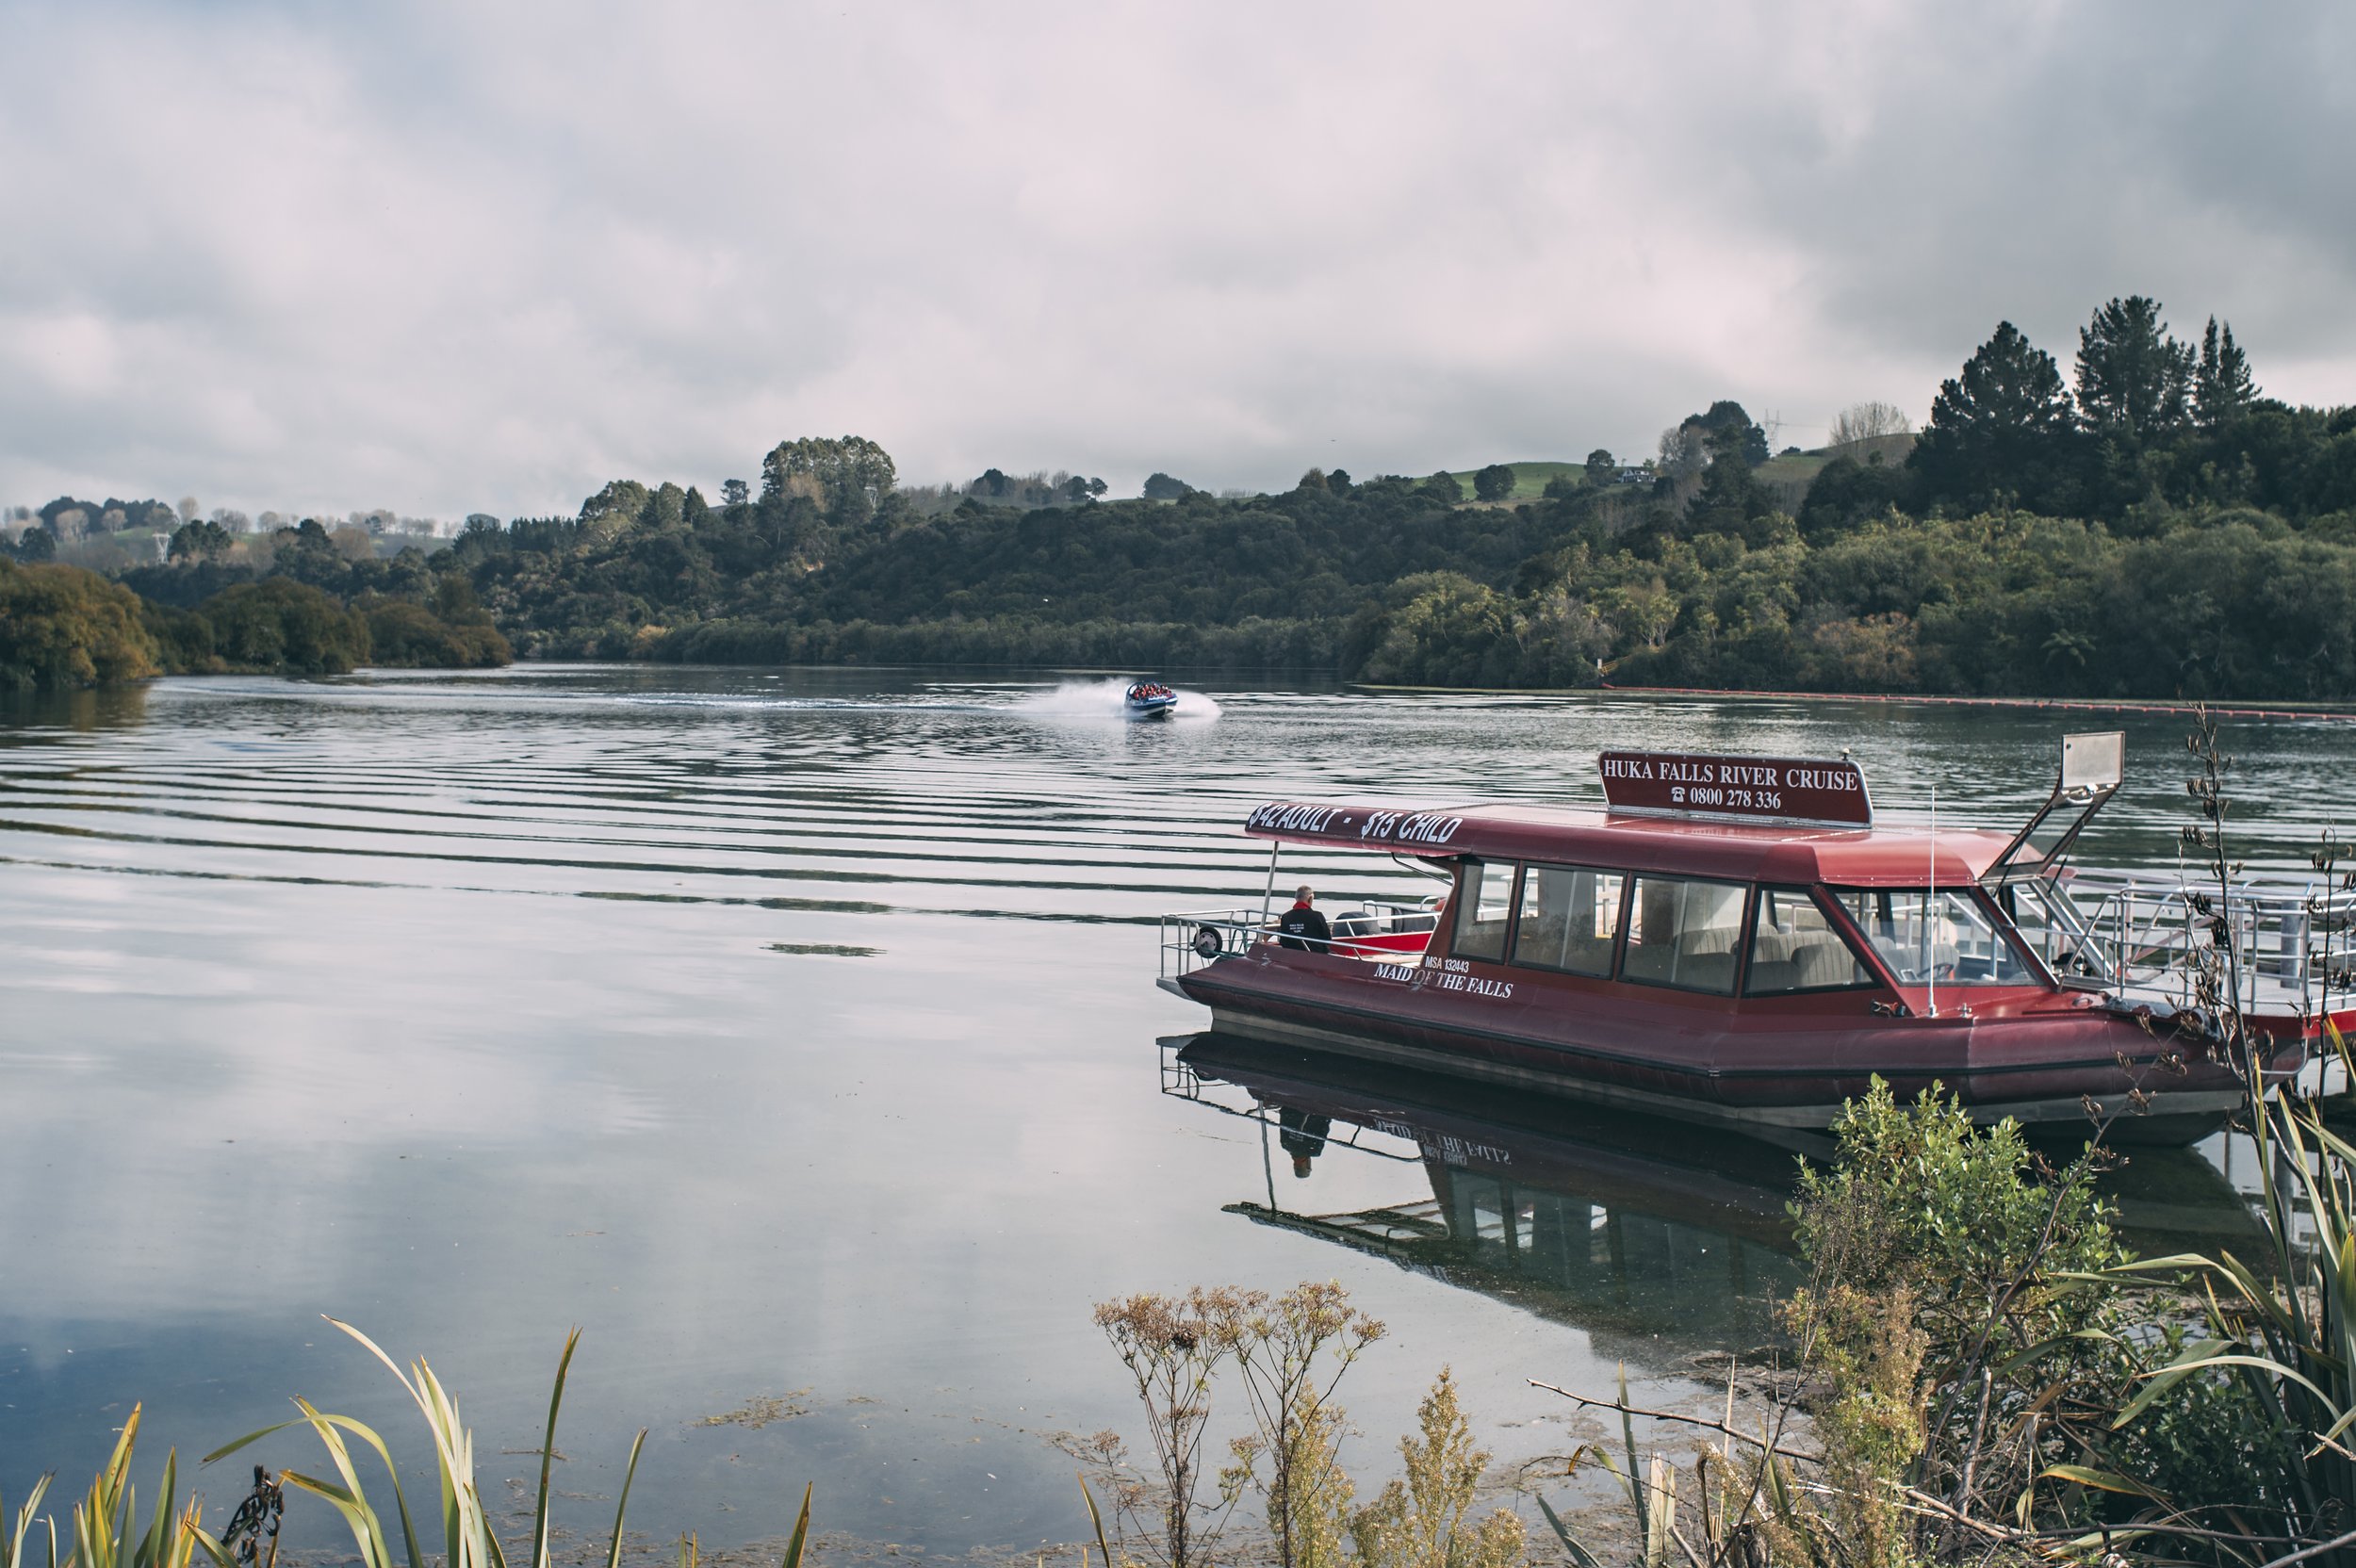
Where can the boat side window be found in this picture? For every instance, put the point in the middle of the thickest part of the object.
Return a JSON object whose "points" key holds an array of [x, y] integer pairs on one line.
{"points": [[1684, 933], [1796, 947], [1922, 934], [1570, 919], [1485, 909]]}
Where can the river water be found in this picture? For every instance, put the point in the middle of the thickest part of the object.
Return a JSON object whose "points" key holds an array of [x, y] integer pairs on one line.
{"points": [[793, 1034]]}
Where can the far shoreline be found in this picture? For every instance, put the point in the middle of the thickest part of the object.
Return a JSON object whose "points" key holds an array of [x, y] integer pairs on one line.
{"points": [[2224, 708]]}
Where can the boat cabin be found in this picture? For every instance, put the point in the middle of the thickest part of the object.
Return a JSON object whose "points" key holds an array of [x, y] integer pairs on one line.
{"points": [[1719, 908]]}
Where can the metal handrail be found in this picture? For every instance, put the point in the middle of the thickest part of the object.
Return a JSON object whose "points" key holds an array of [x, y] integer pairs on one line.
{"points": [[2287, 933], [1240, 931]]}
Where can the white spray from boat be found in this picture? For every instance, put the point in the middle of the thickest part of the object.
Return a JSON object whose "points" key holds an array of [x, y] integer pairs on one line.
{"points": [[1106, 699]]}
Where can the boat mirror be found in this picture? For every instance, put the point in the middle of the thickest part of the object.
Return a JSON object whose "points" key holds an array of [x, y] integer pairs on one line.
{"points": [[2093, 763]]}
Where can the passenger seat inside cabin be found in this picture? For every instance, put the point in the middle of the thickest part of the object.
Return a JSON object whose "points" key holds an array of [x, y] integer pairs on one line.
{"points": [[1795, 950], [1685, 936]]}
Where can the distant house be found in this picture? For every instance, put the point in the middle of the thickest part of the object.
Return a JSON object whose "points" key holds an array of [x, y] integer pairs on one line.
{"points": [[1634, 473]]}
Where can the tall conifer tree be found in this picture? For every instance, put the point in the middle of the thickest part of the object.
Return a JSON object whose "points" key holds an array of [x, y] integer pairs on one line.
{"points": [[2221, 387], [2135, 381]]}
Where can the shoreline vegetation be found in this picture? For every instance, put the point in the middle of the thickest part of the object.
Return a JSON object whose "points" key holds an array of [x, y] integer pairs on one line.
{"points": [[2154, 529], [63, 628]]}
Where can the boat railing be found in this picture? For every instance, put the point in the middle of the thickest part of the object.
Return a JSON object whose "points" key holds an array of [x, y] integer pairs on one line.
{"points": [[1378, 933], [2289, 936]]}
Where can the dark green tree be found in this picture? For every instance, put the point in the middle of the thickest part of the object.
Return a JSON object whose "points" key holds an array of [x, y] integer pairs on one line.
{"points": [[734, 492], [36, 544], [2002, 427], [1729, 431], [198, 541], [1602, 468], [2221, 388], [1161, 487], [1729, 502], [616, 506], [285, 627], [51, 512], [851, 474], [1845, 493], [1338, 481], [665, 508], [2135, 381], [1442, 487], [407, 635], [1493, 482], [308, 555]]}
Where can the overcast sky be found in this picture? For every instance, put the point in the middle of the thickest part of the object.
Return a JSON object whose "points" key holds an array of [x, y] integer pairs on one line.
{"points": [[484, 257]]}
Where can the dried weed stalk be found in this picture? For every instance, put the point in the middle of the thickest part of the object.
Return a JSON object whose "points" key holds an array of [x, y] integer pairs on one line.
{"points": [[1171, 1346]]}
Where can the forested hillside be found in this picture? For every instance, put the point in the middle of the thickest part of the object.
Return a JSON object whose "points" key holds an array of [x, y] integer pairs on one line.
{"points": [[2161, 529], [2150, 526]]}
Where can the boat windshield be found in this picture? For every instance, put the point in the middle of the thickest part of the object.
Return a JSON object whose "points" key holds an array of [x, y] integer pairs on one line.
{"points": [[1921, 935]]}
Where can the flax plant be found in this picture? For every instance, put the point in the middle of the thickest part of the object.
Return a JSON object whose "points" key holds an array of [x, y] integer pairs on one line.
{"points": [[104, 1530]]}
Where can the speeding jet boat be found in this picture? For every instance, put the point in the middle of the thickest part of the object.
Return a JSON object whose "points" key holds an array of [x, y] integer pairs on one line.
{"points": [[1148, 699]]}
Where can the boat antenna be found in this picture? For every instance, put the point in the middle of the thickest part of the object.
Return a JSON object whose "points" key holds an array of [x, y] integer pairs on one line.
{"points": [[1930, 897]]}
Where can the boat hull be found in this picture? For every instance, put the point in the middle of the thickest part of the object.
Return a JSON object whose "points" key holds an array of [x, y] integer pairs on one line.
{"points": [[1787, 1063]]}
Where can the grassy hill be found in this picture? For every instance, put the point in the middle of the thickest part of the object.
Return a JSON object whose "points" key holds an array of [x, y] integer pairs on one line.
{"points": [[1791, 473], [1529, 479]]}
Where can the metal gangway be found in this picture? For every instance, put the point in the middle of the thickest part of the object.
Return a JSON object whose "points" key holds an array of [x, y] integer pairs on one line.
{"points": [[2284, 937]]}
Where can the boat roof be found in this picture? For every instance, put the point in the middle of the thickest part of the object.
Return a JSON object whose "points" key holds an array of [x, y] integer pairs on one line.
{"points": [[1892, 857]]}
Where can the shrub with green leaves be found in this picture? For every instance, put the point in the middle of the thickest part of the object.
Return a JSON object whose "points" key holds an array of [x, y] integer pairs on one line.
{"points": [[1972, 1221], [1956, 1260]]}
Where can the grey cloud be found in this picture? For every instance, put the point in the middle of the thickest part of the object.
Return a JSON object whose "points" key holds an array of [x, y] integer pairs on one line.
{"points": [[489, 257]]}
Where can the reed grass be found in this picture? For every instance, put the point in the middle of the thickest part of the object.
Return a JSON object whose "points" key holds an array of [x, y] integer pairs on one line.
{"points": [[103, 1531]]}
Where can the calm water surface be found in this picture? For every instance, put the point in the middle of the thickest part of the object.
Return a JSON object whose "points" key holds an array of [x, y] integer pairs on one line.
{"points": [[793, 1033]]}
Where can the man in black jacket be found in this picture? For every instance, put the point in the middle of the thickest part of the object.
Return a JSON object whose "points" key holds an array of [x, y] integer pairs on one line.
{"points": [[1303, 928]]}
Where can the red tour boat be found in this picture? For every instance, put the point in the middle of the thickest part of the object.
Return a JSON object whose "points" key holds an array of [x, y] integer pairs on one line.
{"points": [[1733, 940]]}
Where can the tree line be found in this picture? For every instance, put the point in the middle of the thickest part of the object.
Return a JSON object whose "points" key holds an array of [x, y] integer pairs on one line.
{"points": [[2151, 526], [2206, 552], [62, 627]]}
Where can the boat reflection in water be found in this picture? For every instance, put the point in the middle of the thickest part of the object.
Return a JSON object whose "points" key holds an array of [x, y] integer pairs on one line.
{"points": [[1662, 1240], [1632, 1228]]}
